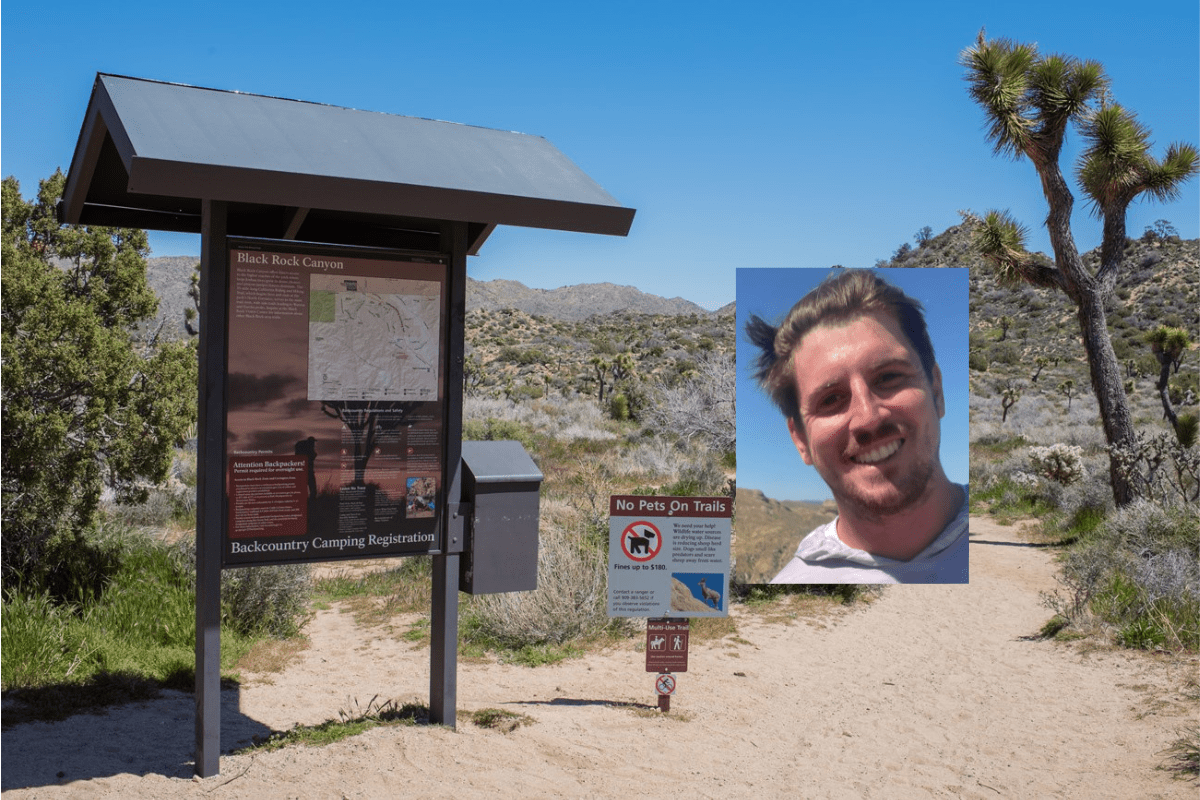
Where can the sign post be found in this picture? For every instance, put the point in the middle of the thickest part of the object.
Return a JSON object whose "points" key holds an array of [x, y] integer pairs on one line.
{"points": [[668, 559]]}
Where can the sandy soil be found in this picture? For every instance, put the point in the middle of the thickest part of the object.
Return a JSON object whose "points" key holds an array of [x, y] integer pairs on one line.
{"points": [[931, 691]]}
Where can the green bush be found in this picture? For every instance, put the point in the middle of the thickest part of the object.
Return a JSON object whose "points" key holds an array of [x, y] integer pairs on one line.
{"points": [[1004, 353], [492, 429], [977, 361], [1138, 573], [142, 621], [122, 603], [527, 392], [618, 407], [1186, 429], [516, 355], [39, 644]]}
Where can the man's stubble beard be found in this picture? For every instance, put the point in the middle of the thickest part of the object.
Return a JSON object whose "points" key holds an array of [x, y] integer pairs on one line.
{"points": [[912, 489]]}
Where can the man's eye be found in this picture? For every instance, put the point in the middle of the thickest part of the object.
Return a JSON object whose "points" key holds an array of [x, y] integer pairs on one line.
{"points": [[829, 400]]}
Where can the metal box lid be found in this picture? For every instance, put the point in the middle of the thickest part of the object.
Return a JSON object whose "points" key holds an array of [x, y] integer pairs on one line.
{"points": [[500, 462]]}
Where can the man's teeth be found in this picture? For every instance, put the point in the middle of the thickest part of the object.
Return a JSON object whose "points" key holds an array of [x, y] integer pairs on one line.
{"points": [[878, 455]]}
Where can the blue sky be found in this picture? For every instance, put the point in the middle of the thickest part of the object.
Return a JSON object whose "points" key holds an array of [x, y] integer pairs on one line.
{"points": [[766, 458], [750, 133]]}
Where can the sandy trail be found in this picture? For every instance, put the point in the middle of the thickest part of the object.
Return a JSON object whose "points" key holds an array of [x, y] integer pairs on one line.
{"points": [[931, 691]]}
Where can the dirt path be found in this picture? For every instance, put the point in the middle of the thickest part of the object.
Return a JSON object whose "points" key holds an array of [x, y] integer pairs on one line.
{"points": [[931, 691]]}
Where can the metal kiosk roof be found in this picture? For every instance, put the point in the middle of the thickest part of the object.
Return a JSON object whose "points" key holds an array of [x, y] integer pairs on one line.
{"points": [[170, 157], [150, 152]]}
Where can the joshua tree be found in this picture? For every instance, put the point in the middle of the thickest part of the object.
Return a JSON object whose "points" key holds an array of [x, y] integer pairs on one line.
{"points": [[1067, 388], [1005, 323], [472, 375], [366, 419], [1168, 345], [192, 313], [1042, 362], [602, 367], [1030, 100], [622, 367], [1008, 398]]}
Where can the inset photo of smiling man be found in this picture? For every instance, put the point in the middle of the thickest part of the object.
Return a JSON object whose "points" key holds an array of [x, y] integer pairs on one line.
{"points": [[852, 446]]}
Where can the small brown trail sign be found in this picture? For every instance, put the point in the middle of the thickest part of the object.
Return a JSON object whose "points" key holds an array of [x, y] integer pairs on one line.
{"points": [[666, 645]]}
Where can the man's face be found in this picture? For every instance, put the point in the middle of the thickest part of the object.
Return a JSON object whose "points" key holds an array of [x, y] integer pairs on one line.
{"points": [[871, 416]]}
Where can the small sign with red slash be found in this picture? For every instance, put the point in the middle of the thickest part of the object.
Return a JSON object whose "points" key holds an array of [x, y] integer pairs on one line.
{"points": [[665, 685], [666, 645], [641, 541]]}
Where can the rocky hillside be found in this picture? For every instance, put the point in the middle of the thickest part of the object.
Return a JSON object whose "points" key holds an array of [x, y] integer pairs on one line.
{"points": [[769, 530], [1158, 285]]}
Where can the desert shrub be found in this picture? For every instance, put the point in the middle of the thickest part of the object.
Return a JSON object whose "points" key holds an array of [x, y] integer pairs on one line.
{"points": [[977, 361], [1004, 353], [618, 407], [702, 407], [266, 600], [1080, 501], [698, 479], [570, 601], [1138, 575], [1040, 422], [1146, 528], [491, 429], [259, 601], [1122, 348], [1160, 467], [1060, 463], [163, 505], [516, 355], [527, 391], [557, 417]]}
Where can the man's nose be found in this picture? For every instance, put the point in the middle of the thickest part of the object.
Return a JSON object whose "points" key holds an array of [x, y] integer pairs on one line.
{"points": [[867, 413]]}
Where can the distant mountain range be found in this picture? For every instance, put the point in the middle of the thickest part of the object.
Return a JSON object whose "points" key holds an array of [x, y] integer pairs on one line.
{"points": [[170, 277], [575, 303]]}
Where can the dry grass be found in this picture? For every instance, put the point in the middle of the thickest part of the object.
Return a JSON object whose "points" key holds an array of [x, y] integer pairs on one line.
{"points": [[499, 719], [570, 601], [271, 656]]}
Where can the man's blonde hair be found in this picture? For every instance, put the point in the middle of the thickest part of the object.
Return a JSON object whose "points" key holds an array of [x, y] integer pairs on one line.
{"points": [[846, 295]]}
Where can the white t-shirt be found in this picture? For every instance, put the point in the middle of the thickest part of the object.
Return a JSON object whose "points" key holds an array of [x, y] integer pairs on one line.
{"points": [[823, 558]]}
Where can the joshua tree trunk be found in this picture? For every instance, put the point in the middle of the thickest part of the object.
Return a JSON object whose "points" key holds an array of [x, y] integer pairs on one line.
{"points": [[1164, 394], [1089, 293], [1107, 386]]}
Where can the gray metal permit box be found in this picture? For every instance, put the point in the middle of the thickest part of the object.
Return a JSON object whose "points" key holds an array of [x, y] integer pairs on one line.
{"points": [[500, 485]]}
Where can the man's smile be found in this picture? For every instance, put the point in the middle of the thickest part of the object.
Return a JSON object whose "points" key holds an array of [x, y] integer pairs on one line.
{"points": [[878, 454]]}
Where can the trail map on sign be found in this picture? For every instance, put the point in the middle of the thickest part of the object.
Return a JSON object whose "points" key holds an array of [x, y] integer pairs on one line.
{"points": [[372, 338]]}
